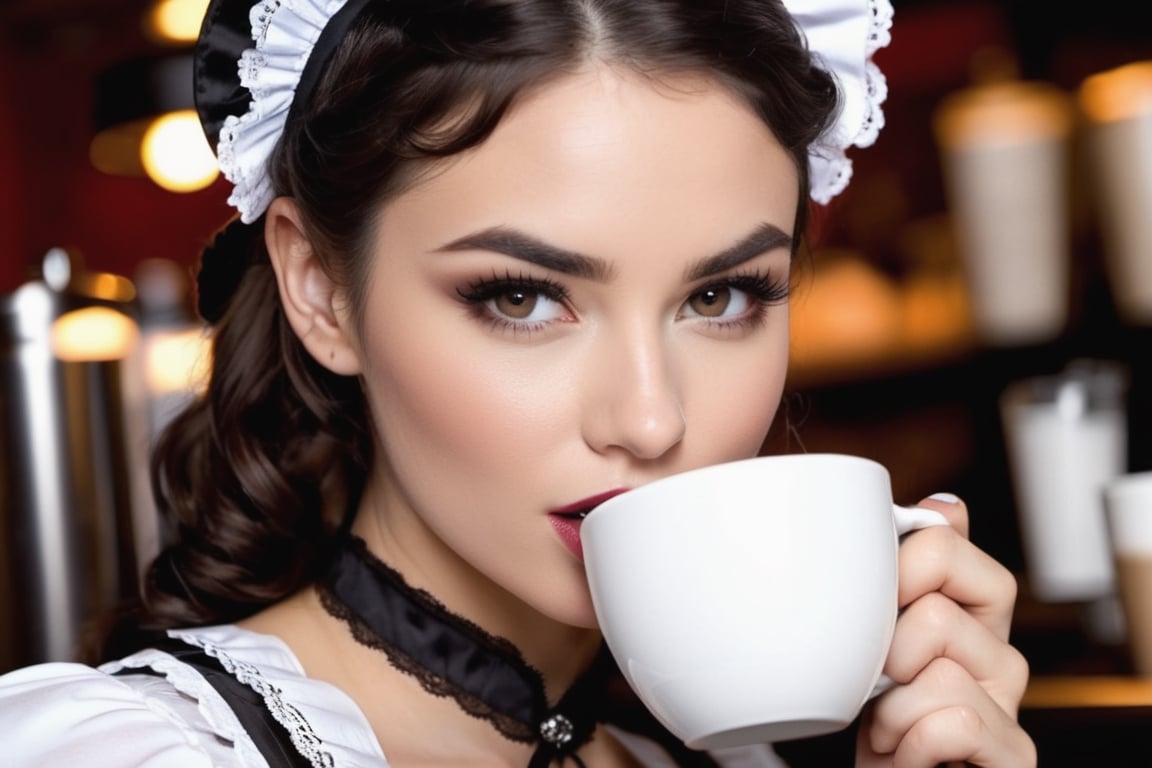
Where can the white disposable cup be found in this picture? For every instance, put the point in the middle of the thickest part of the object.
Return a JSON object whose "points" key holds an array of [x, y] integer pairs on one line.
{"points": [[1128, 506], [752, 601], [1004, 151], [1118, 107], [1066, 437]]}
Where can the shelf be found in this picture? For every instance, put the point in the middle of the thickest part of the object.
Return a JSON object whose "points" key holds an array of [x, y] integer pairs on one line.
{"points": [[1087, 691]]}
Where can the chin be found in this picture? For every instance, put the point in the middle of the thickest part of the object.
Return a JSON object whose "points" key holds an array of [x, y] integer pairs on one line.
{"points": [[576, 612]]}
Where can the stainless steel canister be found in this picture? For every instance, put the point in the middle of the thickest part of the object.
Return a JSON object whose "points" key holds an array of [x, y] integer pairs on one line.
{"points": [[71, 458]]}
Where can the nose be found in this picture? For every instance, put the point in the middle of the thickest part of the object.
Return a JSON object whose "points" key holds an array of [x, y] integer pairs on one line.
{"points": [[633, 402]]}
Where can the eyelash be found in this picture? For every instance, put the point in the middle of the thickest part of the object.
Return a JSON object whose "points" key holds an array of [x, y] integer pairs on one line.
{"points": [[479, 292], [764, 290]]}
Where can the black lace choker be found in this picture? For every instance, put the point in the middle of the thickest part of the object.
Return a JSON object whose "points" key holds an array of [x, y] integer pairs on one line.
{"points": [[451, 656]]}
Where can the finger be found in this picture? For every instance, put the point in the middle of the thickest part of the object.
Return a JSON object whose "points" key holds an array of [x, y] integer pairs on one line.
{"points": [[939, 559], [958, 736], [943, 715], [866, 756], [934, 626], [952, 507]]}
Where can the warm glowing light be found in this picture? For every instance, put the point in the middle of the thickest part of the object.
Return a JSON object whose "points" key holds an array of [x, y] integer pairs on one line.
{"points": [[116, 150], [1005, 112], [1118, 94], [176, 21], [178, 361], [176, 155], [110, 287], [93, 334]]}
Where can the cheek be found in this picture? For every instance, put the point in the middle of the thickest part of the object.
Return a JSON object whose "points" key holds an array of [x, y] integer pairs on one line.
{"points": [[753, 411], [740, 397], [442, 404]]}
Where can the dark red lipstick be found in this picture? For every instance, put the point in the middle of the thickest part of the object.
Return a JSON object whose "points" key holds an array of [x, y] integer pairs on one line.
{"points": [[566, 520], [584, 506]]}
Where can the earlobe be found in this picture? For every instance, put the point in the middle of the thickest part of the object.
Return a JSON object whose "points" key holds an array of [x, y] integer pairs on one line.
{"points": [[315, 306]]}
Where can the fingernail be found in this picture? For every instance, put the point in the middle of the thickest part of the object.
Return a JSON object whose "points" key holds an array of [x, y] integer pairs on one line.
{"points": [[947, 498]]}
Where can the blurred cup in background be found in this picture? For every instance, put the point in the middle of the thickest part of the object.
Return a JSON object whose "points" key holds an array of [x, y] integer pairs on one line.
{"points": [[1117, 105], [1004, 148], [1128, 505], [1066, 438]]}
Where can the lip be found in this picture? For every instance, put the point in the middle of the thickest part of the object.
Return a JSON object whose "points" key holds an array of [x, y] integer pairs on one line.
{"points": [[566, 520], [587, 504]]}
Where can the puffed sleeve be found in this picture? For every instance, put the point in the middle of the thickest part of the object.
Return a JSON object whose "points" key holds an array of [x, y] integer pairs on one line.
{"points": [[71, 715]]}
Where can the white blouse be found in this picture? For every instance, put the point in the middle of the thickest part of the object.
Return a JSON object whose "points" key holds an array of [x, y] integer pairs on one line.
{"points": [[65, 714]]}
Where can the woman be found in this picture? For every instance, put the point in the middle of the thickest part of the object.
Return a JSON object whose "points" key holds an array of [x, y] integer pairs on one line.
{"points": [[495, 259]]}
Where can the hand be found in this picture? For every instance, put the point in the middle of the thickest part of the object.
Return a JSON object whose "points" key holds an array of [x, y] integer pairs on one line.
{"points": [[959, 681]]}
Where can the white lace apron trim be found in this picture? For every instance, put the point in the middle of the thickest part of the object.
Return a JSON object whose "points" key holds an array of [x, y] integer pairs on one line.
{"points": [[304, 739], [215, 711]]}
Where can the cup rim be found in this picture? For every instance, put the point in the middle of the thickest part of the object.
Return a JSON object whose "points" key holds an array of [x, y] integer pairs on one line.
{"points": [[781, 458], [1129, 481]]}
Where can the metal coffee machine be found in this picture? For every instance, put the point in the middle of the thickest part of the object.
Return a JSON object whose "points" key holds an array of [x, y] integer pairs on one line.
{"points": [[75, 515]]}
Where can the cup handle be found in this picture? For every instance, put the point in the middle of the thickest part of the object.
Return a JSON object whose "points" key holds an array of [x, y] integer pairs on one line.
{"points": [[907, 519], [910, 519]]}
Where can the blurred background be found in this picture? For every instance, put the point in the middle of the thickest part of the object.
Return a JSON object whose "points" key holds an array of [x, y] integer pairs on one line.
{"points": [[992, 257]]}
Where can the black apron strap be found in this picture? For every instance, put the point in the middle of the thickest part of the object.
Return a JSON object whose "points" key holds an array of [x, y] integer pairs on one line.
{"points": [[274, 742], [269, 736]]}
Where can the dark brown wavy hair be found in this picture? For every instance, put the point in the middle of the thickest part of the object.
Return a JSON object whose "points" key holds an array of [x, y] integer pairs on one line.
{"points": [[254, 479]]}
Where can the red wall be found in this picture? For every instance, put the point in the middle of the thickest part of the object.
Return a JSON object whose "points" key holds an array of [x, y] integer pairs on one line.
{"points": [[50, 195]]}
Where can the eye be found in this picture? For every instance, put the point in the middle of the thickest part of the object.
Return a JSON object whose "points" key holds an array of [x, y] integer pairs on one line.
{"points": [[717, 301], [524, 304], [736, 299], [519, 302]]}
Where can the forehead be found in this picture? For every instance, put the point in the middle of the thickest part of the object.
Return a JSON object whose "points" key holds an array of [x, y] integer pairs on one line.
{"points": [[605, 143], [581, 116]]}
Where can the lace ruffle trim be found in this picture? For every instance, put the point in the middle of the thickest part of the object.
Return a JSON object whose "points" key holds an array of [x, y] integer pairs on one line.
{"points": [[434, 684], [284, 33], [304, 739], [843, 35], [215, 711], [876, 86]]}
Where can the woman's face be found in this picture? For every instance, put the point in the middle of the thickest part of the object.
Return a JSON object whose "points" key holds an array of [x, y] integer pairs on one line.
{"points": [[593, 298]]}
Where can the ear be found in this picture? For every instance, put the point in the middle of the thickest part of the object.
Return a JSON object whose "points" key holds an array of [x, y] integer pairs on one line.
{"points": [[316, 308]]}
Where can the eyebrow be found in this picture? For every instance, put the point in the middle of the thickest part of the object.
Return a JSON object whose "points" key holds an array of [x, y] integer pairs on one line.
{"points": [[525, 247], [765, 238]]}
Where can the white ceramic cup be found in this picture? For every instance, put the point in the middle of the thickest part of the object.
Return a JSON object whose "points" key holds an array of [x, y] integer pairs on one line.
{"points": [[752, 601], [1128, 508]]}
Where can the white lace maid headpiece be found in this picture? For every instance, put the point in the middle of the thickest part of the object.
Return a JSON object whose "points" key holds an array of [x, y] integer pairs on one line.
{"points": [[246, 115]]}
